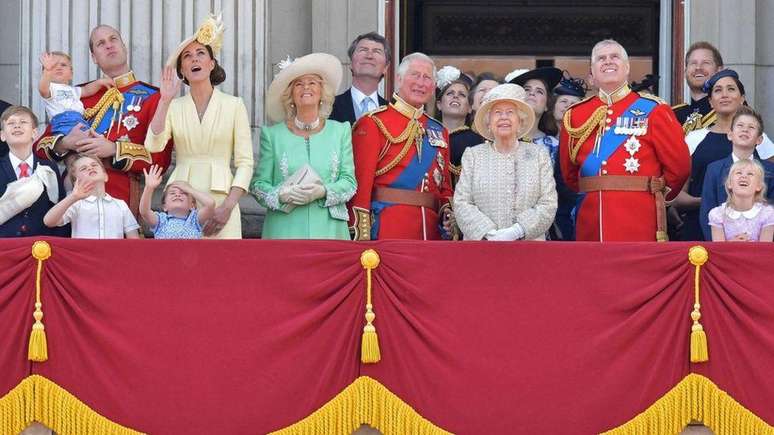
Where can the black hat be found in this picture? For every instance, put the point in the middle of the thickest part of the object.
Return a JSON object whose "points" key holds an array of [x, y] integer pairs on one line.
{"points": [[571, 86], [709, 84], [548, 74]]}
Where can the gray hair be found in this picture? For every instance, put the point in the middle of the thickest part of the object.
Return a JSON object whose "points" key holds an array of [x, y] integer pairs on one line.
{"points": [[606, 42], [405, 63]]}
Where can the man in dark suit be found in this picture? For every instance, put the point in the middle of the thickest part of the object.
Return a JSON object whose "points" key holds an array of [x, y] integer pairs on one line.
{"points": [[746, 133], [3, 145], [369, 56], [18, 130]]}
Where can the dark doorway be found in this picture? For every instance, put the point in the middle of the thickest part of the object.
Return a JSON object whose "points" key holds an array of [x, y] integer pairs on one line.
{"points": [[499, 36]]}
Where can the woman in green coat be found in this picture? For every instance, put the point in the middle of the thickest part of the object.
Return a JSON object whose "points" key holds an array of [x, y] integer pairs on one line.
{"points": [[305, 173]]}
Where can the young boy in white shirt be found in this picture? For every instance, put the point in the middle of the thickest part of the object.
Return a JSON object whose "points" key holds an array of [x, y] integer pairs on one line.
{"points": [[63, 101], [93, 213]]}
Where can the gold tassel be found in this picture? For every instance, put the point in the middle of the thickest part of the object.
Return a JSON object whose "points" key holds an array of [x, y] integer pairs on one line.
{"points": [[38, 347], [697, 255], [369, 346]]}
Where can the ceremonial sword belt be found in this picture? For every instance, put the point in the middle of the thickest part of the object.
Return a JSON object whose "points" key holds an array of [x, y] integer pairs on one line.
{"points": [[406, 197], [632, 183]]}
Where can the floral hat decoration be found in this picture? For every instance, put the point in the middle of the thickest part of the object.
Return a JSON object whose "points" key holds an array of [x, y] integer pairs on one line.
{"points": [[209, 33]]}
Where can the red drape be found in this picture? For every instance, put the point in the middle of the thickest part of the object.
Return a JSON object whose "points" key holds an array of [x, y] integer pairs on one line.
{"points": [[249, 337]]}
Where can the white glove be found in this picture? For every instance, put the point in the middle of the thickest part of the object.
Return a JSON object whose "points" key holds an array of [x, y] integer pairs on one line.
{"points": [[509, 234], [309, 192], [291, 195]]}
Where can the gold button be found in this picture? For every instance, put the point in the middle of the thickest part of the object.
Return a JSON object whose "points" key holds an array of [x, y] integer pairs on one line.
{"points": [[609, 112], [608, 120], [604, 162], [604, 172]]}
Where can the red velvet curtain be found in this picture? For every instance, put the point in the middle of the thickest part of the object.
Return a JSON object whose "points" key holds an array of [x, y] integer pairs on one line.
{"points": [[248, 337]]}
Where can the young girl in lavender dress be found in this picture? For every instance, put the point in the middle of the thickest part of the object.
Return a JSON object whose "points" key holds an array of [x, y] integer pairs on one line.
{"points": [[745, 216], [180, 218]]}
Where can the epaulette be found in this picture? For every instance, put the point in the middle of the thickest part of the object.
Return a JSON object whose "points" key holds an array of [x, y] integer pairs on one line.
{"points": [[433, 119], [368, 114], [577, 103], [375, 111], [709, 119], [679, 106], [652, 97]]}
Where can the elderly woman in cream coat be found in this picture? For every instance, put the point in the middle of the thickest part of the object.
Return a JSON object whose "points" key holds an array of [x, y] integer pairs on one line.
{"points": [[506, 189], [209, 128]]}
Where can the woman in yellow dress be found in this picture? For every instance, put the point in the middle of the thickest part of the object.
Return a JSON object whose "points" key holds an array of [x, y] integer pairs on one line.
{"points": [[208, 128]]}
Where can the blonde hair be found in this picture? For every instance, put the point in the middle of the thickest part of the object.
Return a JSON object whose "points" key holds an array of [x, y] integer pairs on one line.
{"points": [[760, 196], [327, 96], [79, 156]]}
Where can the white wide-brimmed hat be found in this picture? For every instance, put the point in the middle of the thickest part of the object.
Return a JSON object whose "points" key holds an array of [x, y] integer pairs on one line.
{"points": [[210, 33], [323, 64], [511, 93]]}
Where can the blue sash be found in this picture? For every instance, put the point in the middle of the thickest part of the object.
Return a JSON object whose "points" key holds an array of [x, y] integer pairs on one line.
{"points": [[611, 141], [138, 93], [410, 178]]}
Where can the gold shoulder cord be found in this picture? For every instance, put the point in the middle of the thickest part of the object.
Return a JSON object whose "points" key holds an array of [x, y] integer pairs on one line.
{"points": [[412, 134], [580, 134], [112, 97]]}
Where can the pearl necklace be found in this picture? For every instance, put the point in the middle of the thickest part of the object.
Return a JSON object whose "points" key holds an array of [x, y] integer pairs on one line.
{"points": [[304, 126]]}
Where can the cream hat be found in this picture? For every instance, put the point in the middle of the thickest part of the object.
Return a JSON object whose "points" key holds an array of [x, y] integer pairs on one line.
{"points": [[323, 64], [210, 33], [506, 92]]}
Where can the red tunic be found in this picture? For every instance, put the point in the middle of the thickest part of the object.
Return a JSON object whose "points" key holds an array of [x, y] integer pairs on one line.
{"points": [[619, 215], [129, 135], [373, 151]]}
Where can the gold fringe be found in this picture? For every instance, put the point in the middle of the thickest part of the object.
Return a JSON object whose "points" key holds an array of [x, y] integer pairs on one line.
{"points": [[697, 255], [364, 401], [39, 399], [694, 398], [369, 346], [578, 135], [111, 98], [38, 346]]}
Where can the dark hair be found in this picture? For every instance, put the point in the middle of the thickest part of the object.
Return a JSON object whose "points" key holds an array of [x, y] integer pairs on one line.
{"points": [[463, 80], [217, 75], [16, 110], [371, 36], [748, 111], [547, 123], [706, 46], [480, 78]]}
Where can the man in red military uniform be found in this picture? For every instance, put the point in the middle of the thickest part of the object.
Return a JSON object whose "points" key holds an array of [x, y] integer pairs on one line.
{"points": [[624, 151], [118, 118], [402, 163]]}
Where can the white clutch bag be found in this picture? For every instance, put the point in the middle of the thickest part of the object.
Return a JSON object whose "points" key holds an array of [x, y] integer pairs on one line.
{"points": [[304, 175]]}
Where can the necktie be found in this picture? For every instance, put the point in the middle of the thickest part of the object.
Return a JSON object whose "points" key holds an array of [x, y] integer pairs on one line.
{"points": [[365, 106], [24, 170]]}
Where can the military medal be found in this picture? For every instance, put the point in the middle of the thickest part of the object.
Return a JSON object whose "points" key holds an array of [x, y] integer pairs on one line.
{"points": [[632, 145], [632, 165], [437, 177], [130, 122]]}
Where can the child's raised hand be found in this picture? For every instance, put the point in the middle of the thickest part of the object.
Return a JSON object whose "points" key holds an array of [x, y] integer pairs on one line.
{"points": [[106, 82], [182, 185], [82, 189], [170, 83], [153, 176], [48, 61]]}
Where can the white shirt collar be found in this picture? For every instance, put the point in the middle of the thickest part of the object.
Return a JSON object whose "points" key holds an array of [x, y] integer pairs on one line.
{"points": [[357, 97], [15, 161], [736, 159], [93, 198], [748, 214]]}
